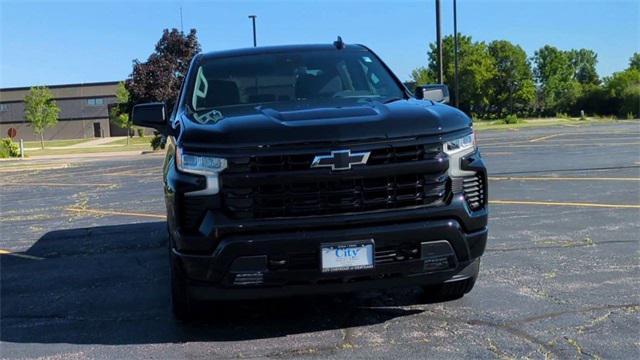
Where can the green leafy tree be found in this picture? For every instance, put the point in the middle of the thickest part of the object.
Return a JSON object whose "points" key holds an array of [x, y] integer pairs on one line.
{"points": [[590, 96], [634, 62], [476, 68], [593, 99], [584, 63], [512, 86], [558, 90], [119, 114], [422, 76], [623, 89], [40, 110]]}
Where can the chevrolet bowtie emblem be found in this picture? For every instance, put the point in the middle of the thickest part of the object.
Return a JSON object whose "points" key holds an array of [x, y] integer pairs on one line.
{"points": [[340, 160]]}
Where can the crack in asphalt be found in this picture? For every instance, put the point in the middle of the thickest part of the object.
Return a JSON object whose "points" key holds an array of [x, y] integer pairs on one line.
{"points": [[574, 343], [578, 311]]}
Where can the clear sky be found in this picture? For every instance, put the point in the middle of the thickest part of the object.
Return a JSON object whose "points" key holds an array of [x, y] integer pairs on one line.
{"points": [[54, 42]]}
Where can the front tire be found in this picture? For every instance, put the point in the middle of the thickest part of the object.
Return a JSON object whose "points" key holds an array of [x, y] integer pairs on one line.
{"points": [[181, 304], [456, 289], [448, 291]]}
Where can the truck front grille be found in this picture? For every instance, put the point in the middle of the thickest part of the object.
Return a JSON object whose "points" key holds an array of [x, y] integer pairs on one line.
{"points": [[384, 155], [334, 197], [388, 184]]}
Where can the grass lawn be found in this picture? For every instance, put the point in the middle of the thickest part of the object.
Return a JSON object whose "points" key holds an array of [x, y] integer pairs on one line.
{"points": [[136, 140], [96, 149], [53, 143], [537, 122]]}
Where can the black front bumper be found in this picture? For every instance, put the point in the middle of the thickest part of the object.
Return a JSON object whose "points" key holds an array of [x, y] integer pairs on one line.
{"points": [[282, 263], [230, 258]]}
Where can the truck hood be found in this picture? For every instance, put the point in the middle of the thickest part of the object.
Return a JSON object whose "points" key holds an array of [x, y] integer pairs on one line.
{"points": [[305, 123]]}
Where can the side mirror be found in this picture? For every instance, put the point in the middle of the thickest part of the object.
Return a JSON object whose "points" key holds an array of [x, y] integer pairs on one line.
{"points": [[151, 115], [435, 92]]}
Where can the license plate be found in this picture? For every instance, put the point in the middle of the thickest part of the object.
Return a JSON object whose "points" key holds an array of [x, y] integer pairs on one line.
{"points": [[353, 255]]}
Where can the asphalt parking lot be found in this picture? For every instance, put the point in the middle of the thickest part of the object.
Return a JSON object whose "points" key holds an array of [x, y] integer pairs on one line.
{"points": [[84, 271]]}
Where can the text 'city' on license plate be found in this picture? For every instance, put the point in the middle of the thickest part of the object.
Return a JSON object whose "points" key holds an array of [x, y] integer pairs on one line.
{"points": [[355, 255]]}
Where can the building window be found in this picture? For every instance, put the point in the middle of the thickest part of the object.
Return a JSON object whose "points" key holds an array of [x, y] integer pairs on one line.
{"points": [[95, 102], [4, 107]]}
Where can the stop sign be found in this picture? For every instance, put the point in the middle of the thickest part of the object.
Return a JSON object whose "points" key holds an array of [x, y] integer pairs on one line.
{"points": [[12, 132]]}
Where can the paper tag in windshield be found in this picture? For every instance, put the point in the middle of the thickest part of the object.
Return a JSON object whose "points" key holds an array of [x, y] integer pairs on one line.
{"points": [[366, 59]]}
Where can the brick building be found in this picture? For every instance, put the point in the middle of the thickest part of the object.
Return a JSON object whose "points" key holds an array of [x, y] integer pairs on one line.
{"points": [[84, 112]]}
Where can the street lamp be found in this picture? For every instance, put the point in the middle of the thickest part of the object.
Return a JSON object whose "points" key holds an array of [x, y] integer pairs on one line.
{"points": [[253, 20], [455, 54], [439, 43]]}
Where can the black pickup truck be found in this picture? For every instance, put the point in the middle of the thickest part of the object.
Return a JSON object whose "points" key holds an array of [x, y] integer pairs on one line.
{"points": [[312, 169]]}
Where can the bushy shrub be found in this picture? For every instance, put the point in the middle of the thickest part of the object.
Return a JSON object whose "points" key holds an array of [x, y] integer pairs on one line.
{"points": [[561, 115], [8, 148], [157, 142], [511, 119], [140, 132]]}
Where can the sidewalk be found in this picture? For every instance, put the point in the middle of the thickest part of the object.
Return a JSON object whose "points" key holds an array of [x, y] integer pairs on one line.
{"points": [[112, 154], [96, 142], [84, 144]]}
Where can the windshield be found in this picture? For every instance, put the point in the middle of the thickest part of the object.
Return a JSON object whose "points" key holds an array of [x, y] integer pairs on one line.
{"points": [[285, 77]]}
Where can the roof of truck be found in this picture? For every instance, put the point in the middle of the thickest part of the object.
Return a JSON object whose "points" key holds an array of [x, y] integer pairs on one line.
{"points": [[279, 49]]}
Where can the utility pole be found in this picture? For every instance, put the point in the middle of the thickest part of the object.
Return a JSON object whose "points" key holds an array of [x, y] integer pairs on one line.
{"points": [[253, 20], [455, 53], [439, 42], [181, 27]]}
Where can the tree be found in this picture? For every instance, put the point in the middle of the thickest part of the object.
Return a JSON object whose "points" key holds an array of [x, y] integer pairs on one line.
{"points": [[512, 86], [475, 67], [119, 114], [584, 66], [558, 90], [40, 110], [422, 76], [160, 77], [623, 89], [634, 62]]}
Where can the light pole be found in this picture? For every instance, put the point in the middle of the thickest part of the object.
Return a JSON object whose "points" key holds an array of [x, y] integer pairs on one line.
{"points": [[439, 42], [455, 53], [253, 20]]}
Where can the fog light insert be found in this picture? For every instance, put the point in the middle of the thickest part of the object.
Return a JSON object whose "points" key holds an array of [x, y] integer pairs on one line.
{"points": [[438, 256], [255, 278]]}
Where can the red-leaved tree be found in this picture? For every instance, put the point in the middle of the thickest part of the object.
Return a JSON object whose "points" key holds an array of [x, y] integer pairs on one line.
{"points": [[160, 77]]}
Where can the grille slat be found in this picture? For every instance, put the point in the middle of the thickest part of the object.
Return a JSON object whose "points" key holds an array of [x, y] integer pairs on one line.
{"points": [[473, 188], [339, 193]]}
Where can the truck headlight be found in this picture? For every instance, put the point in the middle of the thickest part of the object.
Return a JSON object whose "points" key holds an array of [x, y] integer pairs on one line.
{"points": [[456, 149], [464, 144], [199, 164], [208, 166]]}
